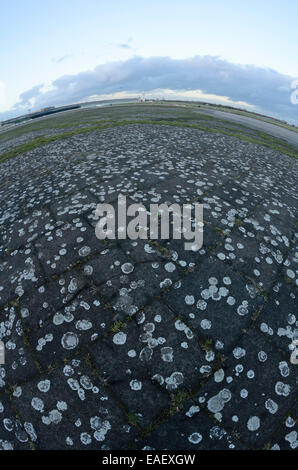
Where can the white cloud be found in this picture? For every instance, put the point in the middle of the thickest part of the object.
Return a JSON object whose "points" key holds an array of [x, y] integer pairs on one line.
{"points": [[209, 78]]}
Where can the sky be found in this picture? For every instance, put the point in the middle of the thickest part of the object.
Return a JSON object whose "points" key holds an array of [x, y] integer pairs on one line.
{"points": [[56, 52]]}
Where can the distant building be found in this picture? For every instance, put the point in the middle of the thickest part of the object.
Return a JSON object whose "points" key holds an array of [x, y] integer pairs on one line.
{"points": [[39, 113], [141, 99]]}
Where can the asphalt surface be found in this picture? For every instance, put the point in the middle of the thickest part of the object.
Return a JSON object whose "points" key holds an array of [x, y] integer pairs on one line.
{"points": [[276, 131], [138, 344]]}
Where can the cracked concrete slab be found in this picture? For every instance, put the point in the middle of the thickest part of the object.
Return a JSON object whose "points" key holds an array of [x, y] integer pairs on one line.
{"points": [[140, 344]]}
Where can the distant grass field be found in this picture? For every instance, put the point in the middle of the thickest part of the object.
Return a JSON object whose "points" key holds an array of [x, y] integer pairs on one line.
{"points": [[80, 121], [243, 112], [276, 122]]}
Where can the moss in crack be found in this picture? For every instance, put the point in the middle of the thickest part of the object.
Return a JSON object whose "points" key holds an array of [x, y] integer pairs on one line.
{"points": [[133, 419], [206, 344], [178, 401], [117, 326]]}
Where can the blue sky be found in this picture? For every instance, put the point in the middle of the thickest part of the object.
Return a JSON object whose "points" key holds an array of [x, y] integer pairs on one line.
{"points": [[57, 51]]}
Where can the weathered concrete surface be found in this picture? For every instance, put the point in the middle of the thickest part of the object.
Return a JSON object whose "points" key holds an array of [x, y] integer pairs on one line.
{"points": [[115, 345]]}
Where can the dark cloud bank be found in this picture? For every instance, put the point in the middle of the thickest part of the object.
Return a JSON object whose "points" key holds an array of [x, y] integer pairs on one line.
{"points": [[265, 88]]}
